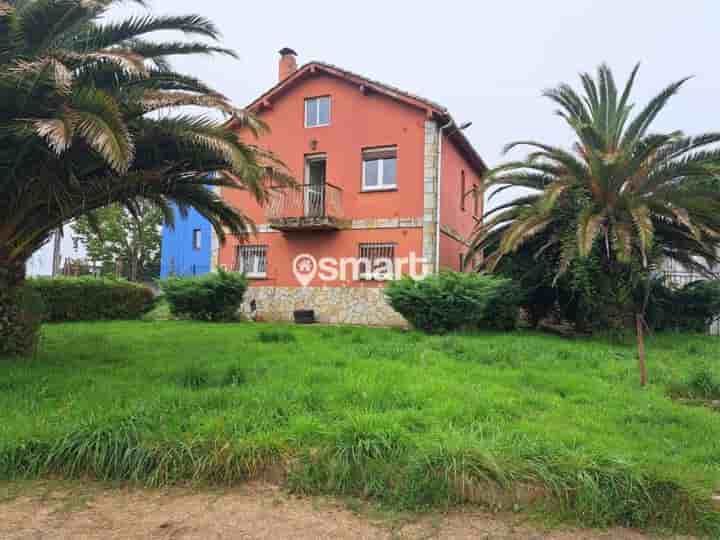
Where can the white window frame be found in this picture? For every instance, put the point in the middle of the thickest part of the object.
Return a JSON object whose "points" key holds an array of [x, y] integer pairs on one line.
{"points": [[367, 155], [257, 254], [317, 114], [197, 239], [386, 252]]}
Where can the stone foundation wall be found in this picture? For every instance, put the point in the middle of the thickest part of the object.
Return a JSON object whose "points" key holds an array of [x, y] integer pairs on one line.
{"points": [[333, 305]]}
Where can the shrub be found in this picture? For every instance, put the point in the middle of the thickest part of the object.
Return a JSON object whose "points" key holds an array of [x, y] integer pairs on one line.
{"points": [[21, 313], [691, 308], [453, 300], [90, 298], [214, 297]]}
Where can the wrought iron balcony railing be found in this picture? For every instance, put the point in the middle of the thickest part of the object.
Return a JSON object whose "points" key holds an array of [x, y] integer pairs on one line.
{"points": [[309, 206]]}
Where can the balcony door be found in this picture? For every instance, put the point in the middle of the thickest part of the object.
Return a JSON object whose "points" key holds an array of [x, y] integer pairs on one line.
{"points": [[314, 188]]}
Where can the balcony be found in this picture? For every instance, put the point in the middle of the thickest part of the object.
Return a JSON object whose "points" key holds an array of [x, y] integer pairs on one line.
{"points": [[309, 207]]}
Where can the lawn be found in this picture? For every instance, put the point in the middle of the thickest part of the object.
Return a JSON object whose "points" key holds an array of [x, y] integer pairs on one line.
{"points": [[409, 420]]}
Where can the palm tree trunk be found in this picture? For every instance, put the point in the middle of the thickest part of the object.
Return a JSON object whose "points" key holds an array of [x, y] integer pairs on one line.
{"points": [[19, 320], [639, 328]]}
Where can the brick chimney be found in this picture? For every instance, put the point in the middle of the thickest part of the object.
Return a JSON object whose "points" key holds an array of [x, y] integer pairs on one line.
{"points": [[288, 63]]}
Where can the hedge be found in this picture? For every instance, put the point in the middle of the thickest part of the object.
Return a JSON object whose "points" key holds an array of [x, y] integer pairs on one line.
{"points": [[213, 297], [91, 299], [454, 301]]}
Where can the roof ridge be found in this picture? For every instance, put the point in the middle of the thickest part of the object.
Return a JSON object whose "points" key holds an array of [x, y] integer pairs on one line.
{"points": [[418, 97]]}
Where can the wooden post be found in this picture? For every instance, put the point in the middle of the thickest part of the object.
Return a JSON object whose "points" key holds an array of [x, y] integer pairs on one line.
{"points": [[641, 348]]}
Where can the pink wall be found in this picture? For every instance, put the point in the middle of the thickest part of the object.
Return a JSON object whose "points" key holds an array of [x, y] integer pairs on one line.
{"points": [[283, 248], [452, 214], [357, 121]]}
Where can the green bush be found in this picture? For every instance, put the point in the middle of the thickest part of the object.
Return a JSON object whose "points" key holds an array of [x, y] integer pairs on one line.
{"points": [[22, 311], [91, 299], [453, 300], [214, 297], [691, 308]]}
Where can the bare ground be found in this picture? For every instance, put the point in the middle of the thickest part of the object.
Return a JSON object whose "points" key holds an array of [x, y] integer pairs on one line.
{"points": [[42, 510]]}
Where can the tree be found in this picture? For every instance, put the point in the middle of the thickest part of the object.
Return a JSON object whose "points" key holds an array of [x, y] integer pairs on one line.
{"points": [[117, 238], [91, 115], [621, 200]]}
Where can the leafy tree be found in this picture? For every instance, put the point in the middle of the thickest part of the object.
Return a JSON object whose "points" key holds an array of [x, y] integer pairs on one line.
{"points": [[115, 237], [623, 198], [89, 116]]}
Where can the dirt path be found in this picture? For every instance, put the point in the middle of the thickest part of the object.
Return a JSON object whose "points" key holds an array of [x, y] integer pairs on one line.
{"points": [[256, 511]]}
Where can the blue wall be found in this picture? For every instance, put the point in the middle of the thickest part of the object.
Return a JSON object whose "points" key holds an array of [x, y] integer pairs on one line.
{"points": [[178, 256]]}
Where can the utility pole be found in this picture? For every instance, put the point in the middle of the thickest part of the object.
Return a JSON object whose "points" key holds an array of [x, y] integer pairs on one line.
{"points": [[57, 255]]}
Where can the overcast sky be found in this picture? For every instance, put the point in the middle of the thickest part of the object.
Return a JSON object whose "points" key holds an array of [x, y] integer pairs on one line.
{"points": [[486, 61]]}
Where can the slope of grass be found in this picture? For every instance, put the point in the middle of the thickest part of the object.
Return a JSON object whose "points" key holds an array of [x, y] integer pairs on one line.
{"points": [[409, 420]]}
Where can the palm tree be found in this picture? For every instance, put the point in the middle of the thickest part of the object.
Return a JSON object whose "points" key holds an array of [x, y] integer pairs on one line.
{"points": [[86, 120], [624, 194]]}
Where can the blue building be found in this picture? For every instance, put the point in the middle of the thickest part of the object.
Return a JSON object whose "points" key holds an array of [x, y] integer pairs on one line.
{"points": [[187, 249]]}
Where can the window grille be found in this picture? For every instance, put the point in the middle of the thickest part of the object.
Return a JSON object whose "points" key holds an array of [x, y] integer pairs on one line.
{"points": [[377, 261], [251, 261]]}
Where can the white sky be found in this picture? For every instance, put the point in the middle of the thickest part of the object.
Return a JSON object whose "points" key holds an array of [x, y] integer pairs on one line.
{"points": [[486, 61]]}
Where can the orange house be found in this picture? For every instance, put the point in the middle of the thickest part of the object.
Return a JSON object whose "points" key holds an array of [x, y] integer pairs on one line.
{"points": [[389, 185]]}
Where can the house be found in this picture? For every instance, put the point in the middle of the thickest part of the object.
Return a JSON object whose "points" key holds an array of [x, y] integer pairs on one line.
{"points": [[187, 248], [58, 255], [386, 176]]}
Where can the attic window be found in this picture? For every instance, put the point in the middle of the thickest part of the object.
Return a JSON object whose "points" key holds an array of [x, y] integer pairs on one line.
{"points": [[317, 111]]}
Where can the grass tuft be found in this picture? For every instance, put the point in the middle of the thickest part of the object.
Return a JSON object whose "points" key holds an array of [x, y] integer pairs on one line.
{"points": [[235, 376], [276, 336], [194, 377]]}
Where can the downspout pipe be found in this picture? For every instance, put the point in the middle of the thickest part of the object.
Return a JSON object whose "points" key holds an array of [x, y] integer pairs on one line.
{"points": [[441, 131]]}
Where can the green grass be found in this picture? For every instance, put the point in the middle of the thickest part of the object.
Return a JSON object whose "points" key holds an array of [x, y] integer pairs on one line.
{"points": [[401, 418]]}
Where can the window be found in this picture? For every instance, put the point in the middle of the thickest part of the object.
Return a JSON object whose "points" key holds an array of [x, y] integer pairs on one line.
{"points": [[197, 239], [251, 261], [462, 190], [377, 261], [317, 111], [476, 200], [379, 169]]}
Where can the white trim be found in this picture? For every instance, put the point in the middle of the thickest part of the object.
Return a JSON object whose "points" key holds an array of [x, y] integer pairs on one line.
{"points": [[197, 239], [366, 157], [317, 114]]}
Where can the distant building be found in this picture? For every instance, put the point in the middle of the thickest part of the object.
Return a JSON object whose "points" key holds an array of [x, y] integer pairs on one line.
{"points": [[70, 249], [187, 249]]}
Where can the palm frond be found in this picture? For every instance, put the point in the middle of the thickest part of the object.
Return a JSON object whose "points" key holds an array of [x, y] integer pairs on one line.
{"points": [[113, 34], [98, 120]]}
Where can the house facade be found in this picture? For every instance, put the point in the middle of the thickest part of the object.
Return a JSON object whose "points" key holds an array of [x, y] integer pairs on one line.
{"points": [[187, 247], [385, 176]]}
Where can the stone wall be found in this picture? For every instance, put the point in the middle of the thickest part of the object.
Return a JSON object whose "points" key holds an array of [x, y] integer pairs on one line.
{"points": [[333, 305]]}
